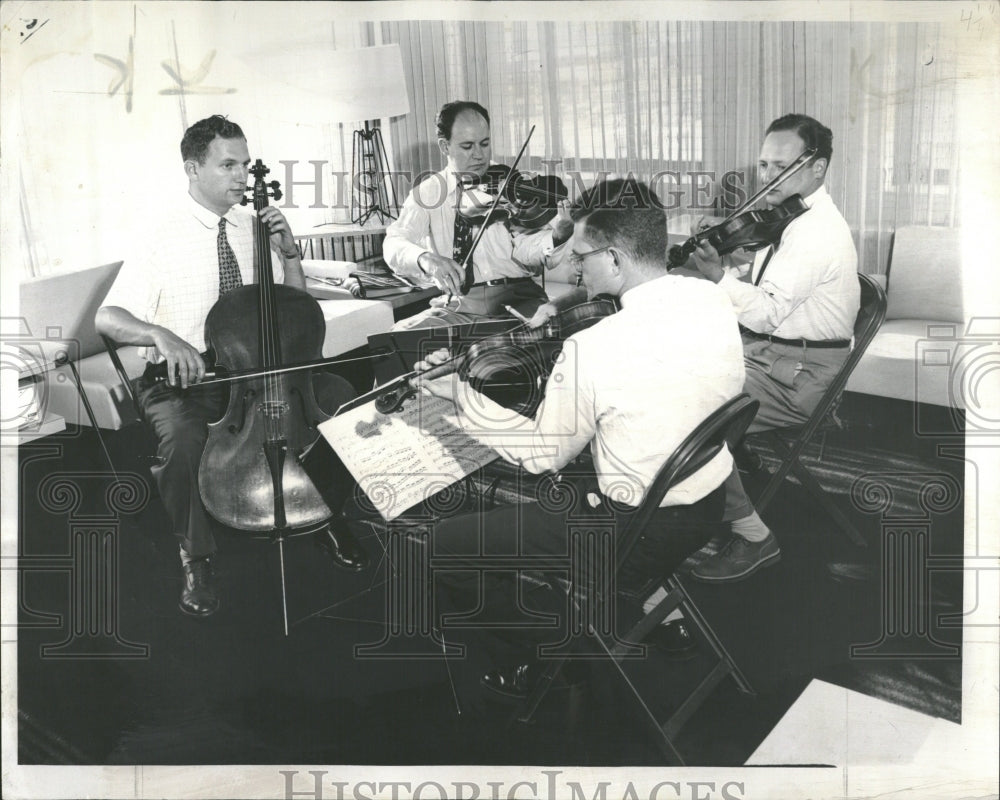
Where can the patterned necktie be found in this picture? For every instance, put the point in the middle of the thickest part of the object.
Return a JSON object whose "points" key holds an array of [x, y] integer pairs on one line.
{"points": [[229, 268], [462, 240]]}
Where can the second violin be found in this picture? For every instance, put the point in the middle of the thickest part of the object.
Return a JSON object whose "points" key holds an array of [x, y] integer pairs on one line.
{"points": [[751, 229]]}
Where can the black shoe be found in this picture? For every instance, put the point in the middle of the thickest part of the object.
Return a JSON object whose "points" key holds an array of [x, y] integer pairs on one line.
{"points": [[342, 548], [517, 682], [200, 597], [673, 639]]}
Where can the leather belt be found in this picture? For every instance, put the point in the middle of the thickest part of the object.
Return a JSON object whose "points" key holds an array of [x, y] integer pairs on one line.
{"points": [[500, 282], [823, 343]]}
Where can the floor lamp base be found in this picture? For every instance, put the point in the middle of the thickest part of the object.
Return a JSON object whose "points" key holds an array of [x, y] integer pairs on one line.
{"points": [[373, 194]]}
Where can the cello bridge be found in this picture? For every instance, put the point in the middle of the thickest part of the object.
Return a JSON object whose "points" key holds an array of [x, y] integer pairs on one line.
{"points": [[273, 409]]}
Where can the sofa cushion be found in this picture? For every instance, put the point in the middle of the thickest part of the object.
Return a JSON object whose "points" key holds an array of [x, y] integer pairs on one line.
{"points": [[61, 308], [914, 360], [925, 275], [108, 399]]}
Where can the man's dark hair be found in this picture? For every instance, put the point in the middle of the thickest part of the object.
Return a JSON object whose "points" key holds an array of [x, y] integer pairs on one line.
{"points": [[624, 213], [199, 136], [449, 112], [813, 133]]}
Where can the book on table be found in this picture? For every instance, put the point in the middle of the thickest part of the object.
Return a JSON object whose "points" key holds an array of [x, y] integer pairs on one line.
{"points": [[381, 284]]}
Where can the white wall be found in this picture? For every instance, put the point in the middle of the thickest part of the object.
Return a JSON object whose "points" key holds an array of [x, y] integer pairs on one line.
{"points": [[86, 164]]}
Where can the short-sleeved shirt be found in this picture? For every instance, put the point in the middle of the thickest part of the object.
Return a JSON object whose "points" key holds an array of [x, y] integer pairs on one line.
{"points": [[173, 280]]}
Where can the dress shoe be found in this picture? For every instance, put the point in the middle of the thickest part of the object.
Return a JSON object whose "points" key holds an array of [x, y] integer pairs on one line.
{"points": [[517, 682], [342, 548], [739, 559], [673, 639], [200, 596]]}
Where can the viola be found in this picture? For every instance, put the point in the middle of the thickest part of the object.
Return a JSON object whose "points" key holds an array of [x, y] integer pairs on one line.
{"points": [[251, 477], [510, 367], [530, 202], [751, 230]]}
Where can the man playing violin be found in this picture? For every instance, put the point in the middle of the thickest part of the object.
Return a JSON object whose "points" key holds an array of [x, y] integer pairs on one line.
{"points": [[620, 391], [796, 305], [432, 237], [200, 249]]}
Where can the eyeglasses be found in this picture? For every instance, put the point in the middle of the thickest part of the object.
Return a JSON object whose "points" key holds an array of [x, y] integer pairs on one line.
{"points": [[576, 259]]}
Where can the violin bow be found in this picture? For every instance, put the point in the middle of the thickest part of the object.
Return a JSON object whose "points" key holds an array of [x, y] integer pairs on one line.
{"points": [[467, 283], [777, 180]]}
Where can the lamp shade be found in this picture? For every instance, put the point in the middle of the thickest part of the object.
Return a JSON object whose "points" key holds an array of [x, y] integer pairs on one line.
{"points": [[372, 84], [345, 85]]}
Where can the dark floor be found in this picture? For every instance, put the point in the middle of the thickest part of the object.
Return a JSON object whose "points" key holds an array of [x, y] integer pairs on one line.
{"points": [[145, 684]]}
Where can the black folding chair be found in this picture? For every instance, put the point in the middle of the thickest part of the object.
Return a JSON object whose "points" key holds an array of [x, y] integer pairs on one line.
{"points": [[147, 456], [789, 442], [723, 428]]}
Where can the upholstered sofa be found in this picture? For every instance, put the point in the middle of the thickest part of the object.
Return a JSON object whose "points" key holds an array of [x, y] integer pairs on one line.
{"points": [[920, 352]]}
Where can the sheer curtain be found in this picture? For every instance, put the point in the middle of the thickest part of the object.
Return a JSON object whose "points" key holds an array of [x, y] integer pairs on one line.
{"points": [[686, 104]]}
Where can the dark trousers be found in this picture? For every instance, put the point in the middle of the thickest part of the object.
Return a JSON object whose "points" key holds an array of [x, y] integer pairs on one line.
{"points": [[570, 546], [180, 422]]}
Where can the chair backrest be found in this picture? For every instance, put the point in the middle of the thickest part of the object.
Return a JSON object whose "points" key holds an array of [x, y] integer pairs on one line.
{"points": [[871, 314], [870, 317], [112, 347], [724, 427]]}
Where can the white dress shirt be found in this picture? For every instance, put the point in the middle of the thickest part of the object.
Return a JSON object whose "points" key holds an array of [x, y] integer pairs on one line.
{"points": [[173, 281], [427, 224], [810, 287], [634, 385]]}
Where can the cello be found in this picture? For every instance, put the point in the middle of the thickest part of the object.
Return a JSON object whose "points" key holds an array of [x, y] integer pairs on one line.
{"points": [[251, 477]]}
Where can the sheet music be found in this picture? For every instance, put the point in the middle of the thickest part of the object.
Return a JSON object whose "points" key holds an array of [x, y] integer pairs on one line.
{"points": [[401, 459]]}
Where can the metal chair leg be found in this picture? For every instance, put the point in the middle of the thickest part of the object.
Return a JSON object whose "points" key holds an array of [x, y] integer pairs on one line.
{"points": [[90, 412]]}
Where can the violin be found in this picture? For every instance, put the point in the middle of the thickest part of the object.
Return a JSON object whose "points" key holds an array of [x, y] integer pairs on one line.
{"points": [[251, 477], [510, 367], [749, 229], [492, 214], [526, 201]]}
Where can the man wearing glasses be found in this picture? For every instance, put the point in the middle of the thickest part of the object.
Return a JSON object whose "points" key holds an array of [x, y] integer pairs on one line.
{"points": [[620, 389]]}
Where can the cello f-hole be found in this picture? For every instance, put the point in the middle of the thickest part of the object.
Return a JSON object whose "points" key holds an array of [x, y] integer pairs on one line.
{"points": [[303, 407], [248, 397]]}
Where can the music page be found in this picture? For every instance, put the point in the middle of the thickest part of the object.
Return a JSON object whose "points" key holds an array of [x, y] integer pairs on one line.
{"points": [[402, 458]]}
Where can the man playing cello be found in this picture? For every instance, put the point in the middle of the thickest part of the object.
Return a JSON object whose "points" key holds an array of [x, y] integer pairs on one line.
{"points": [[160, 300]]}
